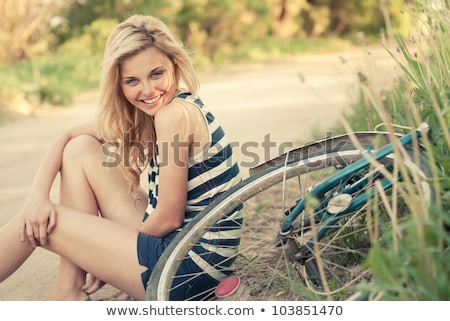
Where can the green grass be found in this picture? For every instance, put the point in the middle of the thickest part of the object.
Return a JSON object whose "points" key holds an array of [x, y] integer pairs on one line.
{"points": [[277, 48], [414, 263], [53, 79]]}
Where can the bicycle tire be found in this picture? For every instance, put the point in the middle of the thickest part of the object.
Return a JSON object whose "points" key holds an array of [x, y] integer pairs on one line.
{"points": [[265, 266]]}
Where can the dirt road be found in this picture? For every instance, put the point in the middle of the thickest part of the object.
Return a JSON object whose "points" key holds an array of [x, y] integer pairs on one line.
{"points": [[266, 108]]}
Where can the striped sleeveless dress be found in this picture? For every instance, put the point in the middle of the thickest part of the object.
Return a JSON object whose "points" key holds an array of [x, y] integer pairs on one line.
{"points": [[210, 173]]}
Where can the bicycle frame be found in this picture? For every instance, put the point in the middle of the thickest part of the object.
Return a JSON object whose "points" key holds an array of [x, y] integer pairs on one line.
{"points": [[331, 217]]}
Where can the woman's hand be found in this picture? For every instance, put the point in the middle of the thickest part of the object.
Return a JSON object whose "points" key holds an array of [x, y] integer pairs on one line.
{"points": [[39, 220]]}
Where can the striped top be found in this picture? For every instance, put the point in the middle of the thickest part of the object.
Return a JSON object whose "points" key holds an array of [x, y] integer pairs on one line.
{"points": [[210, 173]]}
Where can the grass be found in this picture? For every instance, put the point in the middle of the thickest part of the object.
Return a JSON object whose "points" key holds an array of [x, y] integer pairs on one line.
{"points": [[53, 79], [278, 49], [411, 260]]}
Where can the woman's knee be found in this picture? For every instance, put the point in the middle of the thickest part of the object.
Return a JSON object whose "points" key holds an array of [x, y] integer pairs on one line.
{"points": [[79, 148]]}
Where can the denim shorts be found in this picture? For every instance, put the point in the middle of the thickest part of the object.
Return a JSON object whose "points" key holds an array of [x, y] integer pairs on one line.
{"points": [[149, 250]]}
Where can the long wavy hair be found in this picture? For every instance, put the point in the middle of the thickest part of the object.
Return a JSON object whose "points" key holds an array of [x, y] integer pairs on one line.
{"points": [[119, 122]]}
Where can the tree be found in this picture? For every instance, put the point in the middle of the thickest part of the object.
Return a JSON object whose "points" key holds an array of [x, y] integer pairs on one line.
{"points": [[25, 27]]}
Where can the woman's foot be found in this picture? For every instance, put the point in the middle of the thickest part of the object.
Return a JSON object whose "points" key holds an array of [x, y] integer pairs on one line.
{"points": [[67, 295]]}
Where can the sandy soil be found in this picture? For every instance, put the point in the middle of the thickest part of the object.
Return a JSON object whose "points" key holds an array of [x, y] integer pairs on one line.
{"points": [[265, 108]]}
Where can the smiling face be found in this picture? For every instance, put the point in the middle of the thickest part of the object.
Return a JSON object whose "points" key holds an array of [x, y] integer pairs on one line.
{"points": [[147, 80]]}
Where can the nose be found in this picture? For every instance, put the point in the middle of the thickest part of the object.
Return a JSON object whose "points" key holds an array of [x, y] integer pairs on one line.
{"points": [[147, 88]]}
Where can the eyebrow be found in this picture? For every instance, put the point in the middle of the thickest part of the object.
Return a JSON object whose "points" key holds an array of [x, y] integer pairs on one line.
{"points": [[151, 71]]}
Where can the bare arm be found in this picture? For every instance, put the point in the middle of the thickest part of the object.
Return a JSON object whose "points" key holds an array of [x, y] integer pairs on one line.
{"points": [[173, 131], [37, 212]]}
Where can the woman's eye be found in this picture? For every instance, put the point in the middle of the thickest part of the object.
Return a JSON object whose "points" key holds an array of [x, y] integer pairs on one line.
{"points": [[157, 74], [131, 81]]}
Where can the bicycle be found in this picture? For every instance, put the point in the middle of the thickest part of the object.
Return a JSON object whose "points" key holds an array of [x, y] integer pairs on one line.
{"points": [[305, 216]]}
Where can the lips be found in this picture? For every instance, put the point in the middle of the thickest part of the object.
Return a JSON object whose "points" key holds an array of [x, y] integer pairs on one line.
{"points": [[152, 100]]}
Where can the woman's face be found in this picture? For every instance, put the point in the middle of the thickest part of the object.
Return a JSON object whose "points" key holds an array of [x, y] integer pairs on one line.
{"points": [[147, 80]]}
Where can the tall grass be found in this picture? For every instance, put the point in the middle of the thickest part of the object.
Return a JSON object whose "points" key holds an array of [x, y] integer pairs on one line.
{"points": [[411, 261]]}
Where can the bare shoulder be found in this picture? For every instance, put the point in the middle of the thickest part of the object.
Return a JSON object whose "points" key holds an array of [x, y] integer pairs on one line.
{"points": [[178, 117], [174, 111]]}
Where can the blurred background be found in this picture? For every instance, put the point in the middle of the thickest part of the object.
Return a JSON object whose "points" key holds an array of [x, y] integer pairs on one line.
{"points": [[51, 50]]}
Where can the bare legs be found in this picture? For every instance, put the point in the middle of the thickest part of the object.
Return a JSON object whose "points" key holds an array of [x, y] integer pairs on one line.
{"points": [[88, 187], [104, 247]]}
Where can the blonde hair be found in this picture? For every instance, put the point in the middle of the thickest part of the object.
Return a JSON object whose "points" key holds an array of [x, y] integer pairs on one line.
{"points": [[117, 118]]}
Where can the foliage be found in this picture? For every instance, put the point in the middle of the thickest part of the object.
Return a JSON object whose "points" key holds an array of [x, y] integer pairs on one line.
{"points": [[81, 14], [419, 269], [415, 265], [211, 26], [50, 79], [26, 28], [217, 32]]}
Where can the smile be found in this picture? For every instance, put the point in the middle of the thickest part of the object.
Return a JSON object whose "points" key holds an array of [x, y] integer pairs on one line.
{"points": [[153, 100]]}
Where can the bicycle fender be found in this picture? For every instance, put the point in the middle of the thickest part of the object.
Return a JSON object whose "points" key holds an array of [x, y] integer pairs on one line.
{"points": [[328, 145]]}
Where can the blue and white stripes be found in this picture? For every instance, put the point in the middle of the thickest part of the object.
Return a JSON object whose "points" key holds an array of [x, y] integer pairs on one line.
{"points": [[210, 173]]}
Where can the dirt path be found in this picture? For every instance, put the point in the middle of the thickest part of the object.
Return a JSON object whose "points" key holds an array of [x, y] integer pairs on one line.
{"points": [[265, 108]]}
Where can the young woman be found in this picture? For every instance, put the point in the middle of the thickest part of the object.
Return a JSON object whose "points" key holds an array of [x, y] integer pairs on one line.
{"points": [[105, 225]]}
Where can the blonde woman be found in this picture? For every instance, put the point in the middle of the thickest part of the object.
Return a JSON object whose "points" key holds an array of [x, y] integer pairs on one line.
{"points": [[105, 225]]}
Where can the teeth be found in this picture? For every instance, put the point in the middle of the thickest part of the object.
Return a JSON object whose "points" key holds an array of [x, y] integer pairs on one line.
{"points": [[151, 101]]}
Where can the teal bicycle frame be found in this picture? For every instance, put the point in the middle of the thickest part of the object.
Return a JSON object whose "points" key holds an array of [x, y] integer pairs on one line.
{"points": [[331, 182]]}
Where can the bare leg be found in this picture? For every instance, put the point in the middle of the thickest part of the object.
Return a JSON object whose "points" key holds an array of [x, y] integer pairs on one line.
{"points": [[13, 252], [86, 186], [76, 193], [86, 241]]}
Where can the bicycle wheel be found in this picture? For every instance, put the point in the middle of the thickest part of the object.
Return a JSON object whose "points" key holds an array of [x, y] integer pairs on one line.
{"points": [[274, 270]]}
